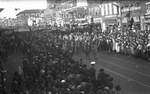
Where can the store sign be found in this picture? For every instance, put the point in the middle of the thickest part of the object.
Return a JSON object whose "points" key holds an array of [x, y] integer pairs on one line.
{"points": [[97, 20], [67, 4], [131, 8], [110, 16], [147, 8], [147, 14], [82, 3]]}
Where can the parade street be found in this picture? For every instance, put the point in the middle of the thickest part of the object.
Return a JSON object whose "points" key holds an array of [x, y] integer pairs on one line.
{"points": [[132, 74]]}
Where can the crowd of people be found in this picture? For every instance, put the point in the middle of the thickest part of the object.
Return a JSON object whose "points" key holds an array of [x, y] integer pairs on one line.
{"points": [[135, 43], [49, 67]]}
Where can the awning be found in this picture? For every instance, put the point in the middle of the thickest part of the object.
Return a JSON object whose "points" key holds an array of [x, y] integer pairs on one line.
{"points": [[97, 20]]}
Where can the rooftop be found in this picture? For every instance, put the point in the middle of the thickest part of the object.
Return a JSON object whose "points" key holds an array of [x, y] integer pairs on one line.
{"points": [[30, 11]]}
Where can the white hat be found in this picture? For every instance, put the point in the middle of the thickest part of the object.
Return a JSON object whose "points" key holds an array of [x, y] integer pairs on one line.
{"points": [[79, 86], [63, 81], [107, 88], [93, 62]]}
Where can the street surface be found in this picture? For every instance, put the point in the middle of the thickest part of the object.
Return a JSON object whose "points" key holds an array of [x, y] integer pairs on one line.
{"points": [[132, 74]]}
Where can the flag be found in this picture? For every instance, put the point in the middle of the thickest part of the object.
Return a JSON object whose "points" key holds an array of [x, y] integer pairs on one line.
{"points": [[17, 9], [1, 9]]}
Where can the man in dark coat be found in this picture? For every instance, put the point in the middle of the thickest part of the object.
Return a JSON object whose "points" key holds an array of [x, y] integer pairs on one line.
{"points": [[92, 72]]}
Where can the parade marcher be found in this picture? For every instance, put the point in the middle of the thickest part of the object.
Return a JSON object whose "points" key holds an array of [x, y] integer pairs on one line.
{"points": [[87, 50], [94, 49]]}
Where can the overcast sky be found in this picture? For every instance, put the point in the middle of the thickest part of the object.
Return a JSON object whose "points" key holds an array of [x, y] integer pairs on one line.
{"points": [[10, 5]]}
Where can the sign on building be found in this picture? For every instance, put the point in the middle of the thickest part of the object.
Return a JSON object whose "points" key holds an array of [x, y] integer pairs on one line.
{"points": [[147, 14], [82, 3], [148, 8]]}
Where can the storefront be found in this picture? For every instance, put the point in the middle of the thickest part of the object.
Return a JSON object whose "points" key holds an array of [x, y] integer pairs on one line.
{"points": [[98, 23], [110, 14], [110, 20]]}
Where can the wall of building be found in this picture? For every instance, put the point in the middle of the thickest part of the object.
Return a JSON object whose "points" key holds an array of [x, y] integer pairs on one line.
{"points": [[106, 12]]}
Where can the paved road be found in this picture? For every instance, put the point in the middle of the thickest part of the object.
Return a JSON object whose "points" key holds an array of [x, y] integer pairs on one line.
{"points": [[132, 74]]}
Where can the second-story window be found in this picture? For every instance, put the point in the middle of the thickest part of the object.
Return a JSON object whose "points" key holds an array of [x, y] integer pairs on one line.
{"points": [[102, 10]]}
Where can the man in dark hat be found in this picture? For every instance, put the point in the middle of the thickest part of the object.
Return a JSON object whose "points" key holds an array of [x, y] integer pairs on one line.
{"points": [[101, 75]]}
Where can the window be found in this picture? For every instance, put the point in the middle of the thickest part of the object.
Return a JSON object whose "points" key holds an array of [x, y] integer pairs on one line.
{"points": [[95, 11], [110, 8], [106, 9], [114, 9], [102, 10]]}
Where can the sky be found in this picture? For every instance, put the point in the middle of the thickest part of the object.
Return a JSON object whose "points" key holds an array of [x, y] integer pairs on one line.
{"points": [[10, 5]]}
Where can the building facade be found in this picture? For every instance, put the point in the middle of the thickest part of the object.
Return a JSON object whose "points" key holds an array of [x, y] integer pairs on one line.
{"points": [[103, 13], [30, 18], [137, 11]]}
